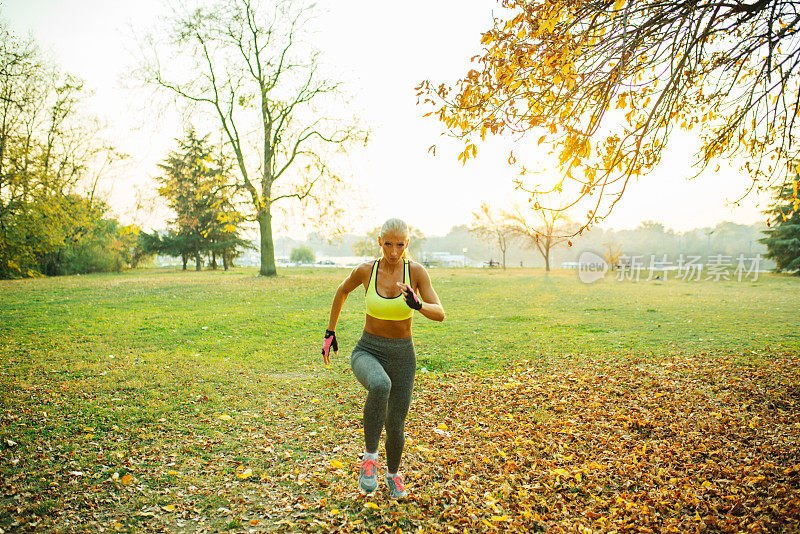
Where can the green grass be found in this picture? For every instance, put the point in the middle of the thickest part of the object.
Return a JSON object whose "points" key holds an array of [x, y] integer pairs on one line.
{"points": [[129, 373], [273, 324]]}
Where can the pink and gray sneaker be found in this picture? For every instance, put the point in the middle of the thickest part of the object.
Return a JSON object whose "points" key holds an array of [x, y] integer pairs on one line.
{"points": [[397, 490], [368, 476]]}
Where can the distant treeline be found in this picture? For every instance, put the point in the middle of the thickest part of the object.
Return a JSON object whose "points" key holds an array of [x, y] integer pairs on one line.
{"points": [[649, 238]]}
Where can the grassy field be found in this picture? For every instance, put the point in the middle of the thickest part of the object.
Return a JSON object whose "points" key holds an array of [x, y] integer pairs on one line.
{"points": [[162, 400]]}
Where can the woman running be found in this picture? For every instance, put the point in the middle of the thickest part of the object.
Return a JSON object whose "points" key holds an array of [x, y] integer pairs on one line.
{"points": [[383, 360]]}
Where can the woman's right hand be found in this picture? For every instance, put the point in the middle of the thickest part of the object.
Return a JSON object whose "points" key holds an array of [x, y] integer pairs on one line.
{"points": [[329, 343], [410, 296]]}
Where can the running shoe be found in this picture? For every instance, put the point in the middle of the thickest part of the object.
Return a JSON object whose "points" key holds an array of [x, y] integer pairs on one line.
{"points": [[397, 490], [368, 476]]}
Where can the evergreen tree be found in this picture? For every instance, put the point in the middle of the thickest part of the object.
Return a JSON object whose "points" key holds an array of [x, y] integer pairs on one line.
{"points": [[206, 221], [783, 235], [170, 243]]}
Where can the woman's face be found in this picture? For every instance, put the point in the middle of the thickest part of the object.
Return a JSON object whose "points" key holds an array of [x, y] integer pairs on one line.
{"points": [[393, 244]]}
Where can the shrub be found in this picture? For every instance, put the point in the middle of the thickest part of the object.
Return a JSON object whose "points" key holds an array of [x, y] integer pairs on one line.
{"points": [[302, 255]]}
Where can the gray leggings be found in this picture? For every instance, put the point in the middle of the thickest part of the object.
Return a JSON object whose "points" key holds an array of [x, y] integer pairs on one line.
{"points": [[385, 367]]}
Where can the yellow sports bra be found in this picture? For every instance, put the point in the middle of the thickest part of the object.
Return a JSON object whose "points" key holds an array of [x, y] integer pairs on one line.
{"points": [[388, 309]]}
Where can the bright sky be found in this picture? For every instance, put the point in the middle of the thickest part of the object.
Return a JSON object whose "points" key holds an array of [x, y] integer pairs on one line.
{"points": [[381, 51]]}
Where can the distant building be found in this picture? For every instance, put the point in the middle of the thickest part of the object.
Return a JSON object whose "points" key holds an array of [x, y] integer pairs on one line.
{"points": [[445, 259]]}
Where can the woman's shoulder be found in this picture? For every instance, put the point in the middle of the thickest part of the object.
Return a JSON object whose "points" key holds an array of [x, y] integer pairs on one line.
{"points": [[416, 268], [364, 268]]}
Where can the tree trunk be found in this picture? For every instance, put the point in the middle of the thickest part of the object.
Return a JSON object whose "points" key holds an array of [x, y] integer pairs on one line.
{"points": [[185, 259], [198, 262], [547, 260], [214, 260], [504, 259], [267, 245], [225, 260]]}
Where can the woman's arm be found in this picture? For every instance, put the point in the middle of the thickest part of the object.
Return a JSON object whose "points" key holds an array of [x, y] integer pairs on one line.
{"points": [[431, 307], [354, 279]]}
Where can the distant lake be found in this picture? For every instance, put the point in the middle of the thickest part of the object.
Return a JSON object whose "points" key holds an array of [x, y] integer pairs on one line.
{"points": [[340, 261], [343, 261]]}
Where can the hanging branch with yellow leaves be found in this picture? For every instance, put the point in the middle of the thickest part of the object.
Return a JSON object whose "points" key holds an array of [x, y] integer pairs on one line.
{"points": [[603, 84]]}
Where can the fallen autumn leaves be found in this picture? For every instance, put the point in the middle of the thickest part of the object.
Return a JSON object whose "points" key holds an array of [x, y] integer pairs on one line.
{"points": [[686, 444], [694, 442]]}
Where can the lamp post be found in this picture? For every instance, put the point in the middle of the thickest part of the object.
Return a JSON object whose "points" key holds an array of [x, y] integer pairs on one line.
{"points": [[708, 246]]}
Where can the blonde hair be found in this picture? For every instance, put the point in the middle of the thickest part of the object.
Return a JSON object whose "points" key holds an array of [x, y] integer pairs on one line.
{"points": [[399, 226]]}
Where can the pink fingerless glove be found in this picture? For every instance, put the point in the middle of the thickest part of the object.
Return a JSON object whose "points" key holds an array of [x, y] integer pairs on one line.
{"points": [[329, 342], [412, 299]]}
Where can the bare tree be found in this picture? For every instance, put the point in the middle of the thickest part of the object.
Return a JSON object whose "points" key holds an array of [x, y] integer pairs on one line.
{"points": [[48, 146], [19, 74], [251, 71], [540, 228], [490, 227]]}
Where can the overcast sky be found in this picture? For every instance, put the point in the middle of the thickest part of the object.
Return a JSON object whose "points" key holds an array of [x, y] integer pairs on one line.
{"points": [[381, 51]]}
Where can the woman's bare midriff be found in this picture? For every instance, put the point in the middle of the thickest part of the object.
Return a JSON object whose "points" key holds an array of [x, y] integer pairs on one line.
{"points": [[389, 329]]}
